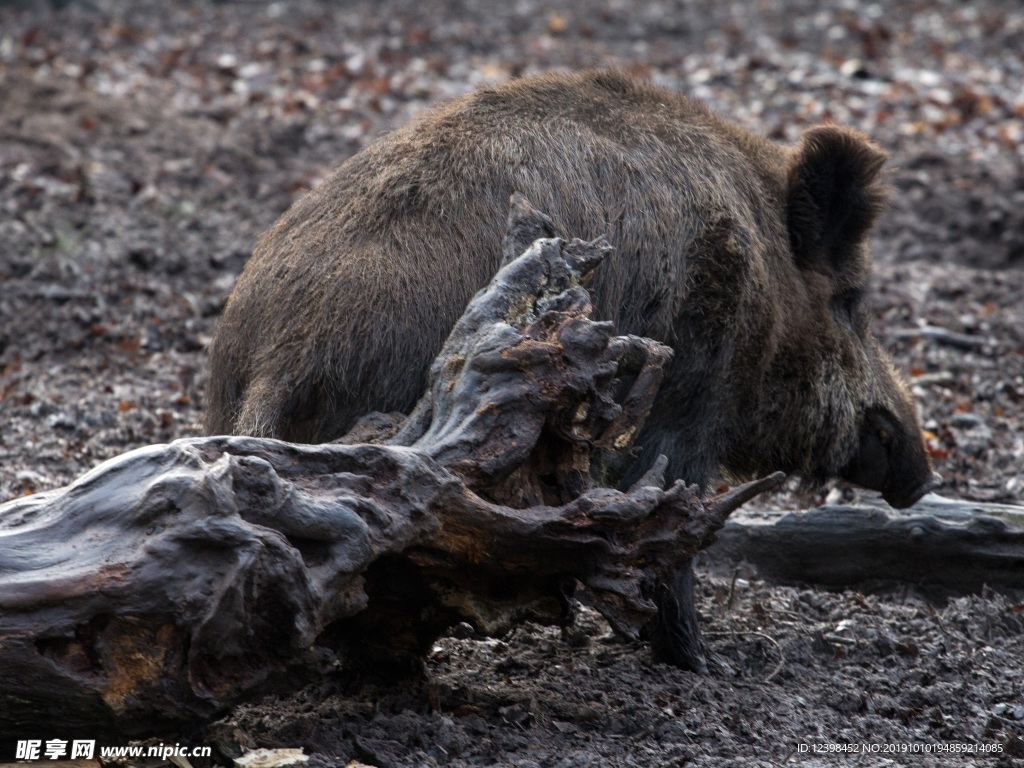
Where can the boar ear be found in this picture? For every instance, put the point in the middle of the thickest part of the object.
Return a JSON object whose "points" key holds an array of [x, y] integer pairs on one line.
{"points": [[833, 196]]}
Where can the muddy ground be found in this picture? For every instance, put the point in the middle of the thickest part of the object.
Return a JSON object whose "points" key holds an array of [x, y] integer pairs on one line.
{"points": [[144, 146]]}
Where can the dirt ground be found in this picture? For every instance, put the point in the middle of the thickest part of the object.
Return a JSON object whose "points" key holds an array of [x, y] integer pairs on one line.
{"points": [[144, 146]]}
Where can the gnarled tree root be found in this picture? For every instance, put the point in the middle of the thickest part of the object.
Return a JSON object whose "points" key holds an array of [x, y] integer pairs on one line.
{"points": [[174, 580]]}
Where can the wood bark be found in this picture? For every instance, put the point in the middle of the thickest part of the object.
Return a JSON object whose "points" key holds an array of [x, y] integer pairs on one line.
{"points": [[176, 579]]}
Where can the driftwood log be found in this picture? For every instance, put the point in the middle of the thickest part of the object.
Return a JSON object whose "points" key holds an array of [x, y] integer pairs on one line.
{"points": [[176, 579], [942, 546]]}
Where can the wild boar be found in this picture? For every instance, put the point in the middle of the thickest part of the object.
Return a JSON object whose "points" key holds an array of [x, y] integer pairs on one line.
{"points": [[750, 258]]}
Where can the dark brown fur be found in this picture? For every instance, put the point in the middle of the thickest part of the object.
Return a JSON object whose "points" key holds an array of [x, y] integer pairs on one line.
{"points": [[748, 257]]}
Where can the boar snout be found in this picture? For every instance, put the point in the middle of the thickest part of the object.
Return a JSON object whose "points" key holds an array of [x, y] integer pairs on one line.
{"points": [[891, 459]]}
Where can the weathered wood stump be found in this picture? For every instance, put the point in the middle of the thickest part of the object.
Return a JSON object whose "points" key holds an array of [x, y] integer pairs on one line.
{"points": [[173, 580]]}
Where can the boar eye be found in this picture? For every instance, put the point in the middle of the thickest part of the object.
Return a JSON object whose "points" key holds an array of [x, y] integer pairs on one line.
{"points": [[884, 436]]}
